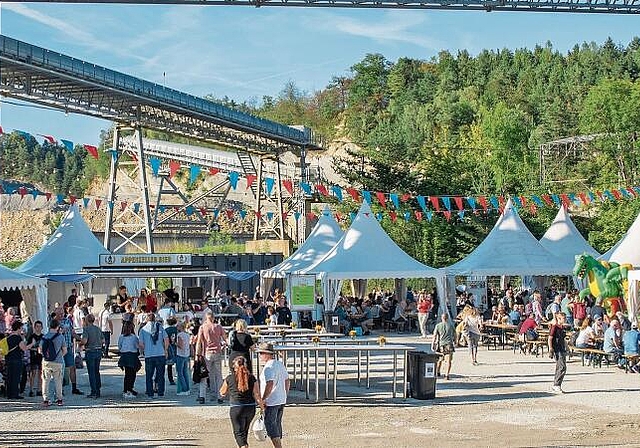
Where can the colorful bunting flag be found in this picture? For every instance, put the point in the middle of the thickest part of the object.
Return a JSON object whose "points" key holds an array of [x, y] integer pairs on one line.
{"points": [[67, 144], [395, 200], [382, 199], [233, 179], [93, 150], [288, 185]]}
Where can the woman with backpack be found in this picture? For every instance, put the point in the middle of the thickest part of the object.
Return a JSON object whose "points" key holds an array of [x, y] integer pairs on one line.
{"points": [[16, 347]]}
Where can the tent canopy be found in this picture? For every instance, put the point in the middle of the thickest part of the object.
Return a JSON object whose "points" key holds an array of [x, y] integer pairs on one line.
{"points": [[366, 251], [322, 238], [10, 279], [626, 250], [510, 249], [71, 248], [563, 239]]}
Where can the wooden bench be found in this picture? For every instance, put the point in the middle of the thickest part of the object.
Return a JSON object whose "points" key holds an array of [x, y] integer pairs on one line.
{"points": [[597, 355], [630, 361], [488, 339], [537, 346]]}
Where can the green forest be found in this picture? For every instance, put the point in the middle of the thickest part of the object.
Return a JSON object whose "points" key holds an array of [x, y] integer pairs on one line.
{"points": [[457, 124]]}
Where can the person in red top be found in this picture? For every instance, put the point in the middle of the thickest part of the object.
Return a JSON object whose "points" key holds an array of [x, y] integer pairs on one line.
{"points": [[209, 345], [528, 328], [425, 304]]}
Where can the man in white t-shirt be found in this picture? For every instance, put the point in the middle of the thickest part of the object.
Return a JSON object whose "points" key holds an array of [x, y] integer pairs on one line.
{"points": [[106, 326], [78, 317], [274, 386]]}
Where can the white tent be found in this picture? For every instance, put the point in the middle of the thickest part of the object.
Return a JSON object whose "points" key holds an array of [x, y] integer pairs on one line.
{"points": [[71, 248], [32, 289], [510, 249], [563, 239], [365, 251], [322, 238], [626, 250], [633, 295]]}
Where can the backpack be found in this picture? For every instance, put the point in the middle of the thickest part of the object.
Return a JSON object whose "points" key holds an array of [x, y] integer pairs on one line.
{"points": [[49, 352]]}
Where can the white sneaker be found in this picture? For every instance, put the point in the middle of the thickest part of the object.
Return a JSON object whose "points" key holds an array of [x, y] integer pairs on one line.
{"points": [[128, 395], [557, 390], [184, 394]]}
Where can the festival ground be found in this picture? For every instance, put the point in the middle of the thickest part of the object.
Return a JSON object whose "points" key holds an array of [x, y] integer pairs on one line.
{"points": [[504, 401]]}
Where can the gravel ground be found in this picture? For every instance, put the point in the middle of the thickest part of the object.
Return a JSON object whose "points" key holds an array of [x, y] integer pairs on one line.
{"points": [[504, 401]]}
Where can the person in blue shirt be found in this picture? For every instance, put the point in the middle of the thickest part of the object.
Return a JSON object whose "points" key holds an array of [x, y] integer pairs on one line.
{"points": [[515, 315], [631, 340], [154, 344]]}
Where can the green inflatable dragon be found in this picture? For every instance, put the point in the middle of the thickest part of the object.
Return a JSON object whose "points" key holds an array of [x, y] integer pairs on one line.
{"points": [[607, 281]]}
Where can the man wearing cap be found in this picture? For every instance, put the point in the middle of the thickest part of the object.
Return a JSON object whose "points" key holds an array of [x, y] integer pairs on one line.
{"points": [[274, 386], [631, 343]]}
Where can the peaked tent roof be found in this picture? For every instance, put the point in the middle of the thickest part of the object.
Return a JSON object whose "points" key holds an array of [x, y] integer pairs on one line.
{"points": [[322, 238], [564, 240], [626, 250], [366, 251], [510, 249], [71, 248], [10, 279]]}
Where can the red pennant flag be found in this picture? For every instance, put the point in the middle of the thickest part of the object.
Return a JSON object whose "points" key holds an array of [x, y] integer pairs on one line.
{"points": [[174, 167], [547, 200], [418, 215], [354, 194], [203, 211], [288, 185], [134, 156], [447, 214], [311, 216], [382, 199], [251, 178], [258, 215], [483, 202], [393, 216], [98, 203], [72, 199], [48, 196], [616, 194], [176, 209], [322, 190], [49, 138], [565, 200], [583, 197], [501, 202], [229, 213], [214, 171], [533, 208], [93, 150], [337, 216], [1, 131], [436, 203], [405, 197], [22, 191], [123, 205], [458, 201], [285, 215], [632, 191], [600, 195], [523, 201]]}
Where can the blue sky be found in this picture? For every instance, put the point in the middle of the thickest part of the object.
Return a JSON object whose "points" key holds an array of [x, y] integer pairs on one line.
{"points": [[246, 52]]}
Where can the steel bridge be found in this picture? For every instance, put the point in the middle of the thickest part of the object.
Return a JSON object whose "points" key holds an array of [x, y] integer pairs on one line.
{"points": [[580, 6], [42, 76]]}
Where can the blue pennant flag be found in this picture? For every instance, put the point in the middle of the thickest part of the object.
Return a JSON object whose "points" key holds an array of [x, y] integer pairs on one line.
{"points": [[60, 198], [110, 204], [636, 189], [269, 216], [67, 144], [516, 202], [216, 212], [297, 215], [337, 192], [395, 199], [136, 207], [625, 193], [34, 193], [429, 215], [573, 198], [537, 200], [306, 188], [461, 214], [114, 155], [162, 208], [407, 216], [446, 200], [556, 200], [233, 179], [155, 165], [85, 202], [422, 203], [472, 202], [494, 202], [194, 172], [379, 216], [189, 210], [366, 195], [269, 183], [243, 214], [352, 215]]}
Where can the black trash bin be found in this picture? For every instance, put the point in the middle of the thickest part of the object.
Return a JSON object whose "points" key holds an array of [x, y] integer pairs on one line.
{"points": [[421, 374]]}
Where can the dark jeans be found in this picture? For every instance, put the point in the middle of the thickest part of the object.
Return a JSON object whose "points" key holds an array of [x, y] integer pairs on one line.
{"points": [[154, 367], [241, 417], [107, 342], [170, 372], [14, 375], [273, 421], [93, 358], [129, 379], [561, 368]]}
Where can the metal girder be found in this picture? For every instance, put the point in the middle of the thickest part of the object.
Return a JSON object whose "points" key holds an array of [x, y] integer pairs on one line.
{"points": [[580, 6]]}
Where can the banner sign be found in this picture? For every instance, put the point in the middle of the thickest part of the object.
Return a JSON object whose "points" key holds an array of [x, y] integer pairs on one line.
{"points": [[121, 260], [303, 292]]}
